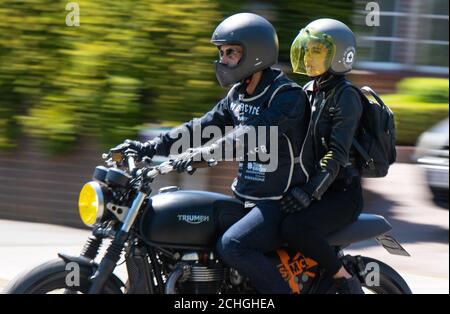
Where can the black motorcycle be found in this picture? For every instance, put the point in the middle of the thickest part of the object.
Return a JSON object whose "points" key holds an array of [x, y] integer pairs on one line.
{"points": [[169, 239]]}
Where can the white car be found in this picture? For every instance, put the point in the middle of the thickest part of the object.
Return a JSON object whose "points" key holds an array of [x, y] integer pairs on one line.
{"points": [[432, 154]]}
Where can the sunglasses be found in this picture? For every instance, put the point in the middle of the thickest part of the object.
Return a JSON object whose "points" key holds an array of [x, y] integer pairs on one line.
{"points": [[229, 52]]}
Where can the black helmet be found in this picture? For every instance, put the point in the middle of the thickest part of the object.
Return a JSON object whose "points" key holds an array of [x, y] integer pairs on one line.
{"points": [[258, 39], [333, 44]]}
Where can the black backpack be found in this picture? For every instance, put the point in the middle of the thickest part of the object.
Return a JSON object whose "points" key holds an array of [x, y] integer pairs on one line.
{"points": [[375, 139]]}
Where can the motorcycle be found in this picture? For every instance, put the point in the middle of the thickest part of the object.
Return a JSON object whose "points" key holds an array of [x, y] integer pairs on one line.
{"points": [[169, 239]]}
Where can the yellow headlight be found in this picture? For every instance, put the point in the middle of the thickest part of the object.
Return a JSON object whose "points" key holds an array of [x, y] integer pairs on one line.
{"points": [[91, 203]]}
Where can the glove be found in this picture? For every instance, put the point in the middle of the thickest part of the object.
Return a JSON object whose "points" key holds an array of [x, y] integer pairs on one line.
{"points": [[183, 161], [142, 149], [294, 201]]}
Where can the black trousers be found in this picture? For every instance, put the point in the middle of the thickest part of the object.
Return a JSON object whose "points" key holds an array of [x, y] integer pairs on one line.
{"points": [[306, 230], [243, 246]]}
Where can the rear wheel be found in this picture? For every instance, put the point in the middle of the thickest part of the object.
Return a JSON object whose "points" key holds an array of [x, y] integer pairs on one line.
{"points": [[386, 281]]}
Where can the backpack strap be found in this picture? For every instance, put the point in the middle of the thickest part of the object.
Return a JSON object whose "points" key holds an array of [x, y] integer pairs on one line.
{"points": [[369, 162], [372, 93], [367, 159]]}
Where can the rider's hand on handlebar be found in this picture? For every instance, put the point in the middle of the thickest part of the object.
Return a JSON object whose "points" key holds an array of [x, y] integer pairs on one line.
{"points": [[185, 161], [147, 149], [294, 201]]}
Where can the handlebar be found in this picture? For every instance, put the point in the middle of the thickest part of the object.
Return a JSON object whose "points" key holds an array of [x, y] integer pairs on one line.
{"points": [[202, 164], [166, 167]]}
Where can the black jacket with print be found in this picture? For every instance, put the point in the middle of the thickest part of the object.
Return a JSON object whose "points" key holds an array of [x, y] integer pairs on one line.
{"points": [[277, 101], [335, 116]]}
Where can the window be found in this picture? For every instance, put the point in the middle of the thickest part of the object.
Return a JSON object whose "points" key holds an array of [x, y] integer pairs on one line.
{"points": [[412, 35]]}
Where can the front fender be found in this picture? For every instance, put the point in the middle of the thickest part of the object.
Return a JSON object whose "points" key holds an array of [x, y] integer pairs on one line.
{"points": [[28, 280], [86, 262]]}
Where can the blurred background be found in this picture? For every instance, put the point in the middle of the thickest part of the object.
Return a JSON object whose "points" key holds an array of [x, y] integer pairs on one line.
{"points": [[133, 68]]}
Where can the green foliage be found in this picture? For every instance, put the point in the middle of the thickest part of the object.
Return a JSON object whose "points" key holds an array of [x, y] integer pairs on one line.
{"points": [[129, 62], [420, 103], [425, 89], [413, 117], [132, 62]]}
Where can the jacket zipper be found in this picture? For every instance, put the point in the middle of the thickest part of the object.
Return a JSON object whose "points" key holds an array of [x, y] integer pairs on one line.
{"points": [[322, 105], [324, 143], [321, 184]]}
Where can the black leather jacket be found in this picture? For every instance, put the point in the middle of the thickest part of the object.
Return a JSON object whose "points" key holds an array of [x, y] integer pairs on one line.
{"points": [[328, 150], [277, 101]]}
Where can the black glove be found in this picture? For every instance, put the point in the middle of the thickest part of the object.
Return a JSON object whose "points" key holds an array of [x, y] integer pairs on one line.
{"points": [[147, 149], [294, 201], [183, 161]]}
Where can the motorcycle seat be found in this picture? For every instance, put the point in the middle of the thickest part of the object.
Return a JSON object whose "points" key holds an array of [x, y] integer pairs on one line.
{"points": [[367, 226]]}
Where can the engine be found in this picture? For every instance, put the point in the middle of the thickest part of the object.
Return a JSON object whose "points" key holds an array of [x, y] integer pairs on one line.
{"points": [[198, 273], [205, 274]]}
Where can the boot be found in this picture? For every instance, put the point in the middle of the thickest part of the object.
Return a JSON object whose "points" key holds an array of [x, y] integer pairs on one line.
{"points": [[348, 286]]}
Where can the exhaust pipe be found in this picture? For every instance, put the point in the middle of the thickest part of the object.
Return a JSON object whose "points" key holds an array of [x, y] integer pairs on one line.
{"points": [[181, 273]]}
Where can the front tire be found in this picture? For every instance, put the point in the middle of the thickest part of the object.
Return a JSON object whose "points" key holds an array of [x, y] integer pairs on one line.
{"points": [[50, 277]]}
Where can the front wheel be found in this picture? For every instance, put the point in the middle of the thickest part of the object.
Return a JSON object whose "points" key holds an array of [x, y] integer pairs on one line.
{"points": [[382, 279], [51, 278]]}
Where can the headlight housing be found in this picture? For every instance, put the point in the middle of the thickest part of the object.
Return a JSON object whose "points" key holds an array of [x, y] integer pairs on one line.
{"points": [[91, 203]]}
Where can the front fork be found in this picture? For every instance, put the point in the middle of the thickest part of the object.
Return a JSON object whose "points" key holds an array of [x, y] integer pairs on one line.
{"points": [[92, 246], [112, 256]]}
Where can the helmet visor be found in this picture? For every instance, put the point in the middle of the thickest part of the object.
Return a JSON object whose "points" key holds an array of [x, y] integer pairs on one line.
{"points": [[312, 53]]}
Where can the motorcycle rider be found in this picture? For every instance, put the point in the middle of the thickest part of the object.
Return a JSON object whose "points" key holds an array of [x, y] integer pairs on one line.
{"points": [[248, 47], [332, 198]]}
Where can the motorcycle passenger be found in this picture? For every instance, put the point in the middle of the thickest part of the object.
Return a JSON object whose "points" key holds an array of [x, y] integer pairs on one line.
{"points": [[260, 96], [332, 198]]}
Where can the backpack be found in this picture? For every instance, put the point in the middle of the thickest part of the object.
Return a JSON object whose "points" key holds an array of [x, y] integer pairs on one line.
{"points": [[376, 137]]}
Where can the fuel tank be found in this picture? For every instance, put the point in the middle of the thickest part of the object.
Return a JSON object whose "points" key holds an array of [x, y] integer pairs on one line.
{"points": [[189, 219]]}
